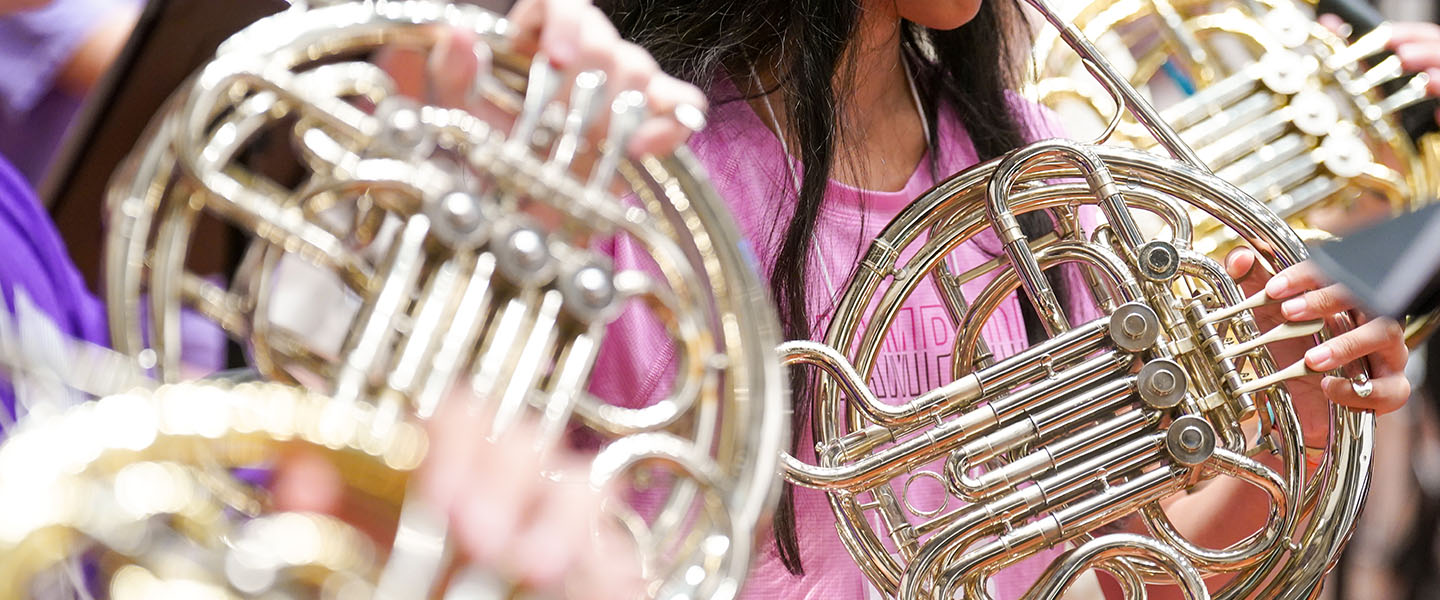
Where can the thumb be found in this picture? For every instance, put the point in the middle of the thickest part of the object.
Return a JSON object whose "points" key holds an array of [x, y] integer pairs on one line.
{"points": [[1244, 267]]}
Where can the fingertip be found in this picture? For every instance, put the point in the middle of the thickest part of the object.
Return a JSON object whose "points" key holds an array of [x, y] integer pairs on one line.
{"points": [[1239, 262], [1294, 308], [482, 527], [307, 482], [1332, 23], [561, 34], [1405, 53], [1278, 286], [1320, 358]]}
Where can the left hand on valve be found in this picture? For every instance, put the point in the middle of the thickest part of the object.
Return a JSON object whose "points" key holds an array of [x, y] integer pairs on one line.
{"points": [[1306, 296]]}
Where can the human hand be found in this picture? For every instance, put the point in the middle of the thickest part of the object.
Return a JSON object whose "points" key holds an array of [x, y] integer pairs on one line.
{"points": [[525, 511], [520, 512], [1306, 296], [1416, 44], [574, 37]]}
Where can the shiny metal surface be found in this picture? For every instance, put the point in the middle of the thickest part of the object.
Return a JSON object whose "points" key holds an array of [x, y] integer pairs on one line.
{"points": [[1087, 433], [1270, 100], [1059, 440], [396, 249]]}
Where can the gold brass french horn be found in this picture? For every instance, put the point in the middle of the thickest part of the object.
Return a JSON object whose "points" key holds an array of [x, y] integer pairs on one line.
{"points": [[1270, 100], [394, 248], [1075, 442]]}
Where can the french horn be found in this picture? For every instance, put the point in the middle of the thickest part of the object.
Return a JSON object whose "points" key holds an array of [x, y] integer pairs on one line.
{"points": [[1074, 444], [394, 248], [1272, 101]]}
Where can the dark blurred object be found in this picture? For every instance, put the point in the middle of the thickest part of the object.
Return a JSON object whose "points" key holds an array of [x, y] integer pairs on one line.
{"points": [[171, 40], [1391, 267], [1361, 15]]}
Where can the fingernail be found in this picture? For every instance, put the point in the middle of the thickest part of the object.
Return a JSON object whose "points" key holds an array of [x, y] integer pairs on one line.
{"points": [[1279, 286], [1319, 358], [1293, 306], [562, 52]]}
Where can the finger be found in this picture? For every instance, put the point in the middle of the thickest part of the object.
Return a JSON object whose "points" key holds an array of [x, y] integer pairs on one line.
{"points": [[557, 536], [568, 24], [304, 481], [500, 493], [1382, 337], [1243, 266], [663, 132], [626, 67], [1416, 57], [406, 66], [450, 460], [453, 68], [1412, 32], [525, 19], [1294, 280], [1335, 24], [629, 67], [1316, 304], [613, 566], [1387, 394]]}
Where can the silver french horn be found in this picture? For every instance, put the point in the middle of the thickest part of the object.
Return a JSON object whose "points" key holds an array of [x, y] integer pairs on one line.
{"points": [[396, 248], [1294, 115], [1078, 441]]}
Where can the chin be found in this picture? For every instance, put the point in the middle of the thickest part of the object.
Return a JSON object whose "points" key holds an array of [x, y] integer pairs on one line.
{"points": [[939, 14]]}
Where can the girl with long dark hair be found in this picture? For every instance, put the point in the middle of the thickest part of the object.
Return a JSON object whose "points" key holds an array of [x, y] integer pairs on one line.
{"points": [[825, 117]]}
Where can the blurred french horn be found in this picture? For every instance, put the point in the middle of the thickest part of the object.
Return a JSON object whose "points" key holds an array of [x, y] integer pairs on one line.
{"points": [[395, 247], [1271, 100], [1072, 445]]}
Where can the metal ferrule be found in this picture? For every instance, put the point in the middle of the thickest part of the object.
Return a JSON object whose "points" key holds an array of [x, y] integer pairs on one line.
{"points": [[1104, 507], [1046, 458], [1028, 365]]}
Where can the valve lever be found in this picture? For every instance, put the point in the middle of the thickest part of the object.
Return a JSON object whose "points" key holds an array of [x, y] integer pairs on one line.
{"points": [[1256, 300], [1286, 331], [1299, 369]]}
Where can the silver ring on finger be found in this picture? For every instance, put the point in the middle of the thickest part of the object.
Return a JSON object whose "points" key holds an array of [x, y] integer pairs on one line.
{"points": [[1363, 386]]}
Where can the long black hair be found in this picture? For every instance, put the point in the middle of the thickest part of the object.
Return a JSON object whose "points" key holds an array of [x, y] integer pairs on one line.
{"points": [[967, 70]]}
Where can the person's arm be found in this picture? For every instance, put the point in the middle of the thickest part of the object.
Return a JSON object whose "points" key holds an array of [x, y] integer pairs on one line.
{"points": [[97, 50]]}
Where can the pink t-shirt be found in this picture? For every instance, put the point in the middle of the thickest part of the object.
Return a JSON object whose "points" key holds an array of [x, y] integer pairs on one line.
{"points": [[747, 165]]}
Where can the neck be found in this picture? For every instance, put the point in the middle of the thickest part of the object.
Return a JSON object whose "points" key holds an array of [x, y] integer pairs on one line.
{"points": [[880, 138]]}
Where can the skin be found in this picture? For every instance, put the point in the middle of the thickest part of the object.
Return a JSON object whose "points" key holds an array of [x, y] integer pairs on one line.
{"points": [[92, 58], [14, 6], [884, 142]]}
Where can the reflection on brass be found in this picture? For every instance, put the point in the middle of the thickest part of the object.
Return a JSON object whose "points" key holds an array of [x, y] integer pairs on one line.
{"points": [[1272, 101], [117, 470], [1083, 435], [401, 253]]}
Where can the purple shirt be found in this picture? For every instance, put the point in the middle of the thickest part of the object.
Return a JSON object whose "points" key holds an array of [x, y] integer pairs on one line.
{"points": [[34, 47], [35, 260]]}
